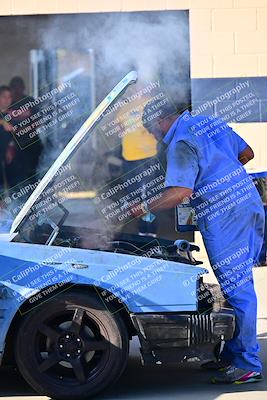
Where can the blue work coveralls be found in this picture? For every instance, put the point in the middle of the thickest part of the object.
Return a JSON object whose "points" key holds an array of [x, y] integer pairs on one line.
{"points": [[202, 155]]}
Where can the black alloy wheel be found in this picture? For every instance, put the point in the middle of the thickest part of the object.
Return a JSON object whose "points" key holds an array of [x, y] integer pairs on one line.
{"points": [[71, 346]]}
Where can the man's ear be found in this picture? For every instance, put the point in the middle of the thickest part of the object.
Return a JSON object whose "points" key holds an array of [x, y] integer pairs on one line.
{"points": [[164, 124]]}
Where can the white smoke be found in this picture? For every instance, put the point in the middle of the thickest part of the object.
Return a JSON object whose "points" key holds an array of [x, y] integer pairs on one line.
{"points": [[148, 42]]}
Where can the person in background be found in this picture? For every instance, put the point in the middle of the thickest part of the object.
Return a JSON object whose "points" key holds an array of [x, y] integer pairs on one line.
{"points": [[6, 138], [28, 146]]}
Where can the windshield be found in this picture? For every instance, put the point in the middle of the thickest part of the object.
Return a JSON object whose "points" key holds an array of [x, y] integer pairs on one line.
{"points": [[92, 189]]}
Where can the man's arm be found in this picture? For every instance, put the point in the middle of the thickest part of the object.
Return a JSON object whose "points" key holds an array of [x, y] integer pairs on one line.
{"points": [[170, 198], [246, 155]]}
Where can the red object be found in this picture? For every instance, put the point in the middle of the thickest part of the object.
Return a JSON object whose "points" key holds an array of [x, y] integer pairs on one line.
{"points": [[11, 152]]}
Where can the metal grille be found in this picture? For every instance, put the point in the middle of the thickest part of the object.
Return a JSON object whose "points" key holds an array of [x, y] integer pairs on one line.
{"points": [[200, 329]]}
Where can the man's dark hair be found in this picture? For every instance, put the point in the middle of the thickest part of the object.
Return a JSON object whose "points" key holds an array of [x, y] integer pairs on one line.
{"points": [[17, 81], [4, 88], [160, 109]]}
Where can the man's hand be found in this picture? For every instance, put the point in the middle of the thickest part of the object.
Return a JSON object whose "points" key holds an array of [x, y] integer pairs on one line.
{"points": [[137, 211]]}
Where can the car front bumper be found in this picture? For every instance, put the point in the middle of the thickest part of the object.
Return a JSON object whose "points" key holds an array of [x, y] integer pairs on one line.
{"points": [[174, 337]]}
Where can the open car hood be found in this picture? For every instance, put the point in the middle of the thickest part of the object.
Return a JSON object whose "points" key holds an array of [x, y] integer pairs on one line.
{"points": [[81, 134]]}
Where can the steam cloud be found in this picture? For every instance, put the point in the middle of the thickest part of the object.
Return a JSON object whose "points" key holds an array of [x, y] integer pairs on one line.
{"points": [[152, 43]]}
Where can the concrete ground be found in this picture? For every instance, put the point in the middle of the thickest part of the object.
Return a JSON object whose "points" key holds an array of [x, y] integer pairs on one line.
{"points": [[186, 382]]}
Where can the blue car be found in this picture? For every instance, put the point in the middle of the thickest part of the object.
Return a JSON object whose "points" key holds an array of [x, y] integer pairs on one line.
{"points": [[73, 294]]}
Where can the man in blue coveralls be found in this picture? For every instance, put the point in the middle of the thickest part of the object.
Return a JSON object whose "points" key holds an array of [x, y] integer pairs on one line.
{"points": [[205, 159]]}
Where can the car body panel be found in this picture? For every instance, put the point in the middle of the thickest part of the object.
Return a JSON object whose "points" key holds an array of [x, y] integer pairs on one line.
{"points": [[106, 270], [23, 265]]}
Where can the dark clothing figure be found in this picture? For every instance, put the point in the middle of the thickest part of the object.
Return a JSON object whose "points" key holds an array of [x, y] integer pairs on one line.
{"points": [[6, 130], [28, 145], [6, 139]]}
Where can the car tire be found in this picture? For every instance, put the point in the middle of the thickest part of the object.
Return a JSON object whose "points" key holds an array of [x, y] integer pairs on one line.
{"points": [[71, 347]]}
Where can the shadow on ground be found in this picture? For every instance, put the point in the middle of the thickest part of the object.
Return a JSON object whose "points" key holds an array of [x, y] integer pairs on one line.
{"points": [[158, 383]]}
